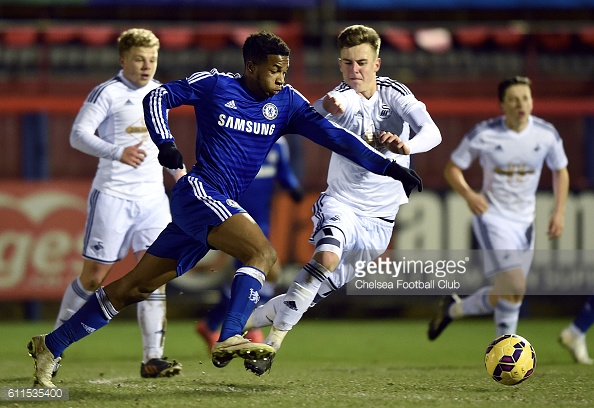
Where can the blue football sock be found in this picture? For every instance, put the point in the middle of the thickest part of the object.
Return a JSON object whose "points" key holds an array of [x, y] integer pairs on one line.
{"points": [[217, 314], [244, 296], [89, 318], [585, 317]]}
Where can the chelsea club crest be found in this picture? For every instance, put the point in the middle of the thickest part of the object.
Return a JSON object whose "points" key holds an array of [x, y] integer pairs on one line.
{"points": [[270, 111], [232, 203]]}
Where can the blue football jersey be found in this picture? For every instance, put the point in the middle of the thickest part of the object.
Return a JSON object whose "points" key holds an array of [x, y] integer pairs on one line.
{"points": [[235, 130]]}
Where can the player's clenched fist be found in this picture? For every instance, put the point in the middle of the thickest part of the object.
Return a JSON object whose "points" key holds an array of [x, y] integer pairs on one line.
{"points": [[333, 105], [409, 178], [394, 143], [133, 155], [169, 156]]}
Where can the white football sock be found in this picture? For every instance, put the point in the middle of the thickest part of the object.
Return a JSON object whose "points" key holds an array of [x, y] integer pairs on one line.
{"points": [[576, 331], [153, 323], [275, 337], [300, 295], [264, 315], [506, 316], [75, 296], [476, 304]]}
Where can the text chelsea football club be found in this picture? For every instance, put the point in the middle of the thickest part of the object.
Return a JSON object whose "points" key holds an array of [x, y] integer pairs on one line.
{"points": [[400, 268]]}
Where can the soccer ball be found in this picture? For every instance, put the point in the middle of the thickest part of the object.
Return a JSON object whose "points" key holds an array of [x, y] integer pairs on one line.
{"points": [[510, 359]]}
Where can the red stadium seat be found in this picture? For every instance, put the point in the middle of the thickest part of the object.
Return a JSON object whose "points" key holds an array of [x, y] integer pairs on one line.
{"points": [[240, 33], [21, 54], [472, 36], [98, 35], [555, 40], [291, 33], [175, 37], [586, 35], [399, 38], [212, 36], [60, 34], [19, 36], [508, 37]]}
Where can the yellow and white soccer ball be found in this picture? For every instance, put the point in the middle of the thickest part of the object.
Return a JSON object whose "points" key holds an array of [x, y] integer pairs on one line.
{"points": [[510, 359]]}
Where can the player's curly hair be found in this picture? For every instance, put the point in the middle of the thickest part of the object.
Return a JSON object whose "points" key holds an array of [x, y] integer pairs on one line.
{"points": [[506, 83], [136, 37], [359, 34], [258, 46]]}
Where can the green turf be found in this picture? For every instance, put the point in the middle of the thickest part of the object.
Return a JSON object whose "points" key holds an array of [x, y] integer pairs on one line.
{"points": [[323, 363]]}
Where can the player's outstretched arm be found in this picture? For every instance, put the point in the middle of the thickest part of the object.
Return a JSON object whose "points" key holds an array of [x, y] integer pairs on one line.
{"points": [[325, 133]]}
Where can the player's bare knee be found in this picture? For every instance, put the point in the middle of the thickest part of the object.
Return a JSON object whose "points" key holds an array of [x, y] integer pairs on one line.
{"points": [[510, 285], [269, 257], [329, 246], [274, 273], [90, 283], [133, 295], [516, 290], [142, 294]]}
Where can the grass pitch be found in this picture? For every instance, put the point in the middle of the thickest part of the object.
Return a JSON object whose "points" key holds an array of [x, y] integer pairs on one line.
{"points": [[323, 363]]}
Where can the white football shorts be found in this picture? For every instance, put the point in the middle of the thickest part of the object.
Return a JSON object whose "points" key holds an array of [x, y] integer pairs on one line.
{"points": [[505, 244], [338, 229], [115, 225]]}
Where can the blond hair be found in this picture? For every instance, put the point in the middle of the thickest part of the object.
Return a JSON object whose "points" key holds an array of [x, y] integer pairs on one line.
{"points": [[136, 37]]}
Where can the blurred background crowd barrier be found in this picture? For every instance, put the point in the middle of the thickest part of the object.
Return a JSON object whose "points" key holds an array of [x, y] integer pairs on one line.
{"points": [[451, 54]]}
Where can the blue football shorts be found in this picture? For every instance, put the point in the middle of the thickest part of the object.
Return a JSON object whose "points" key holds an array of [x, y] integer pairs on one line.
{"points": [[196, 207]]}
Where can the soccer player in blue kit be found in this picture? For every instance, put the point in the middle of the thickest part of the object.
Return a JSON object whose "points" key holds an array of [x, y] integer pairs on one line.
{"points": [[239, 117], [257, 201]]}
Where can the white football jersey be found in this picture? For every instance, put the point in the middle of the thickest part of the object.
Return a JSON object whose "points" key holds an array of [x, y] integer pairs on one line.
{"points": [[387, 110], [511, 162], [111, 119]]}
